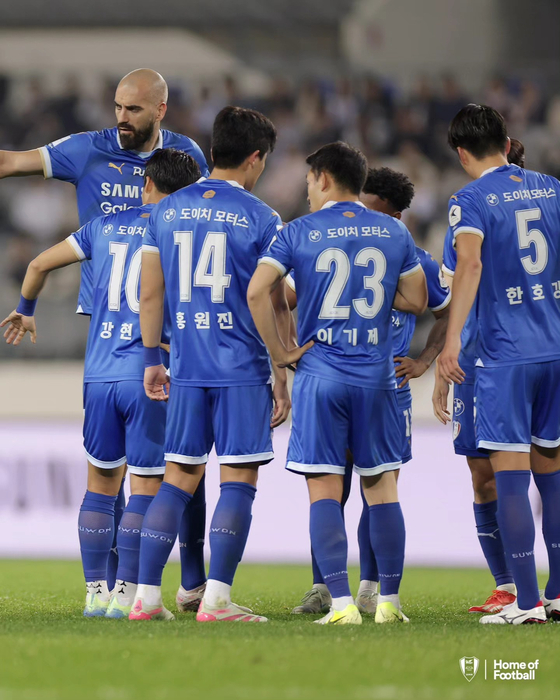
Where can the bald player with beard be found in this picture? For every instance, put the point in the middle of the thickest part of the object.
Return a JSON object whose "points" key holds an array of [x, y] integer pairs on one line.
{"points": [[107, 169]]}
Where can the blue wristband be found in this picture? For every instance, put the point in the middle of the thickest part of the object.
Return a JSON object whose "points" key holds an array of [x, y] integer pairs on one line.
{"points": [[26, 307], [152, 357]]}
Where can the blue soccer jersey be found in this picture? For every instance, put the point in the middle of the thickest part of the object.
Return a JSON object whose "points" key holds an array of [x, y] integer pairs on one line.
{"points": [[210, 237], [516, 213], [346, 261], [439, 296], [113, 244], [108, 179], [467, 356]]}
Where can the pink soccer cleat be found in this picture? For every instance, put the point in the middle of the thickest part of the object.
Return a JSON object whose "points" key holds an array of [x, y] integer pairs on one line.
{"points": [[226, 613], [141, 611]]}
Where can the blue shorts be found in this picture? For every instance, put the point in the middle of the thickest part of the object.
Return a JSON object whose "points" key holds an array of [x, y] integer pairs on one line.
{"points": [[331, 417], [518, 405], [464, 440], [404, 399], [123, 426], [235, 418]]}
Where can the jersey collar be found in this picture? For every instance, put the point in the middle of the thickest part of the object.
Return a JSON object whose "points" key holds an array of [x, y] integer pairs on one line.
{"points": [[331, 203], [491, 170], [233, 183], [143, 154]]}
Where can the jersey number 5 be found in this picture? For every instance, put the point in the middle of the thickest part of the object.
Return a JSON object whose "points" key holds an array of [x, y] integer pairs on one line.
{"points": [[534, 236], [338, 258]]}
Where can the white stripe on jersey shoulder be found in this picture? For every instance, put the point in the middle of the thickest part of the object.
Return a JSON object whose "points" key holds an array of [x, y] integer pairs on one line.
{"points": [[46, 161], [73, 243], [412, 270], [447, 271], [443, 304], [274, 263], [468, 229], [147, 248]]}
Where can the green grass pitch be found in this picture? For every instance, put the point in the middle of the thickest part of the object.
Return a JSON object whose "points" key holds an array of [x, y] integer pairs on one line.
{"points": [[48, 651]]}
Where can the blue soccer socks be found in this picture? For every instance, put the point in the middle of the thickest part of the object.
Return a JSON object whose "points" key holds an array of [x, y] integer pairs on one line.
{"points": [[387, 537], [96, 529], [491, 541], [330, 546], [191, 540], [129, 536], [549, 488]]}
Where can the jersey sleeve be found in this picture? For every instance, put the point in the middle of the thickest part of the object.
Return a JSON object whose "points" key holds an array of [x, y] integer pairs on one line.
{"points": [[198, 155], [411, 263], [81, 240], [449, 254], [270, 231], [465, 215], [439, 294], [66, 158], [280, 253], [150, 243]]}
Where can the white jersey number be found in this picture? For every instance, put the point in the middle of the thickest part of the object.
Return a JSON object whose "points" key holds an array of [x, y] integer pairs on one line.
{"points": [[330, 307], [119, 251], [211, 267], [527, 236]]}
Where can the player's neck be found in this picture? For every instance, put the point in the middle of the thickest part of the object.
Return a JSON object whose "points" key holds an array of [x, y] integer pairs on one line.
{"points": [[153, 198], [234, 174], [481, 166], [150, 145], [336, 195]]}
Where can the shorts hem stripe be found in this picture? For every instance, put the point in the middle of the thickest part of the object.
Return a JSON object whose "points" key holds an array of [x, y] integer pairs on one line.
{"points": [[245, 459], [503, 446], [541, 442], [315, 468], [106, 465], [185, 459], [389, 467], [143, 471]]}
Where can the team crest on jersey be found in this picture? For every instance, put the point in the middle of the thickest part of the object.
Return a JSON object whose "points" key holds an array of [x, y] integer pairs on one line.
{"points": [[169, 215], [145, 216], [492, 199], [209, 194], [456, 429], [458, 407], [315, 236], [515, 178], [108, 230], [349, 214], [455, 215]]}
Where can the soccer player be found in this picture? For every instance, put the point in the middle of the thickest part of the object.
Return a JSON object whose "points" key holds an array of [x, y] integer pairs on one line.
{"points": [[107, 169], [391, 193], [351, 266], [201, 249], [464, 441], [505, 227], [121, 425]]}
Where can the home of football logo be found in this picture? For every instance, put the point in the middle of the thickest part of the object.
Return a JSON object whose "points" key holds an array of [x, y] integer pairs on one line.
{"points": [[169, 215], [469, 667]]}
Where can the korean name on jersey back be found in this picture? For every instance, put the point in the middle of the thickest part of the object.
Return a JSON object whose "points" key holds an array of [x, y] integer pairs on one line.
{"points": [[346, 261], [469, 334], [210, 237], [113, 244], [517, 213]]}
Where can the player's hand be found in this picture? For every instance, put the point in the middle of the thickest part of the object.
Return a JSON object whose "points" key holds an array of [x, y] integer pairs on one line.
{"points": [[156, 383], [408, 368], [282, 403], [439, 399], [18, 326], [448, 363], [292, 357]]}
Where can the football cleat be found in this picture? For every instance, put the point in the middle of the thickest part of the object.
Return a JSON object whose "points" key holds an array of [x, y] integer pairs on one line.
{"points": [[95, 606], [552, 608], [141, 611], [366, 602], [349, 616], [314, 602], [226, 613], [512, 615], [116, 610], [189, 601], [388, 613], [495, 603]]}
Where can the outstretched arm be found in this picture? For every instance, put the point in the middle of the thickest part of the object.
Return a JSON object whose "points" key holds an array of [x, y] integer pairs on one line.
{"points": [[412, 293], [20, 163], [22, 319]]}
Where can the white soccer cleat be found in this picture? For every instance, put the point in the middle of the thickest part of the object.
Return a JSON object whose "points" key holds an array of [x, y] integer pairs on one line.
{"points": [[366, 602], [229, 612], [314, 602], [189, 601], [513, 615], [552, 608], [349, 616]]}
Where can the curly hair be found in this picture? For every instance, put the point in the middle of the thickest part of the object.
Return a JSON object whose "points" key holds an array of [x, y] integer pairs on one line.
{"points": [[390, 185], [516, 154]]}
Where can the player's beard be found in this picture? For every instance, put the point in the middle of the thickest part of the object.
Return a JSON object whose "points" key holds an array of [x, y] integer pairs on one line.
{"points": [[135, 139]]}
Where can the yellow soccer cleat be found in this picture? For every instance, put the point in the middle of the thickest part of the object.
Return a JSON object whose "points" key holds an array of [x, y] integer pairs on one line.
{"points": [[349, 616], [387, 612]]}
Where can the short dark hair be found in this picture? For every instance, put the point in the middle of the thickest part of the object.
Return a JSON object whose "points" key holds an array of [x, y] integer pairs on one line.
{"points": [[170, 170], [516, 155], [479, 129], [346, 164], [391, 186], [238, 132]]}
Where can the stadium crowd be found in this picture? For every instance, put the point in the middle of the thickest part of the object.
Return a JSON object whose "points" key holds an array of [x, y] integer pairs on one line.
{"points": [[403, 129]]}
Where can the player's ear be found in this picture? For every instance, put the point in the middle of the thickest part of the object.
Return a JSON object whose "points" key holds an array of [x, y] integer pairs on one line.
{"points": [[148, 184], [324, 181], [397, 215], [161, 111], [508, 145], [463, 156], [253, 158]]}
